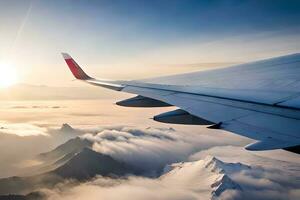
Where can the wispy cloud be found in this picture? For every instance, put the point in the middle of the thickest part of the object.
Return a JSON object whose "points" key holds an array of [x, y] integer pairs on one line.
{"points": [[22, 129]]}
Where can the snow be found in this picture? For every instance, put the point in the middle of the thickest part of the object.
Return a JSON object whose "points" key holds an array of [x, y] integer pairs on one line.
{"points": [[209, 176]]}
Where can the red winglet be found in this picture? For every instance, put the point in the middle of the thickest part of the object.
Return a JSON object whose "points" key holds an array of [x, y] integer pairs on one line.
{"points": [[75, 68]]}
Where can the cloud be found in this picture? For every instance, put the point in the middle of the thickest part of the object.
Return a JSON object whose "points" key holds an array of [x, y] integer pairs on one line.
{"points": [[268, 178], [22, 129], [236, 154], [265, 183], [134, 187], [33, 107], [150, 149]]}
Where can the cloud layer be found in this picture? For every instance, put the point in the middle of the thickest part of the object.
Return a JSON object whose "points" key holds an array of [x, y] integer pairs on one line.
{"points": [[150, 149], [194, 180]]}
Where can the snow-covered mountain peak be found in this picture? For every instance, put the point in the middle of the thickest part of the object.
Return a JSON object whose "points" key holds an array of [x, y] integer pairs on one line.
{"points": [[210, 174], [213, 164], [223, 183]]}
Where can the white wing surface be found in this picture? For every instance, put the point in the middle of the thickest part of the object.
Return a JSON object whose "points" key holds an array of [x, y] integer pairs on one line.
{"points": [[258, 100]]}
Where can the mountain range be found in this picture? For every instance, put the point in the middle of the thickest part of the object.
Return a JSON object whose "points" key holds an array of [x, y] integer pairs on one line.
{"points": [[75, 160], [72, 160]]}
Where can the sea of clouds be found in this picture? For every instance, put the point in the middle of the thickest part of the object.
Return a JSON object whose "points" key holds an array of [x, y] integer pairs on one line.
{"points": [[151, 149]]}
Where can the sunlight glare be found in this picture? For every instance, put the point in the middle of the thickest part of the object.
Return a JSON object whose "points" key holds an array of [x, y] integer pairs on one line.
{"points": [[8, 75]]}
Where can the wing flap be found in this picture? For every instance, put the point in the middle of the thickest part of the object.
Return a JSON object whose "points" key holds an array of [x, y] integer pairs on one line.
{"points": [[269, 144], [210, 111], [245, 120], [292, 102]]}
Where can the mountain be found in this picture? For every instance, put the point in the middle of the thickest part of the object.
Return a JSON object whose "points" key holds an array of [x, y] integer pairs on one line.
{"points": [[65, 151], [30, 196], [75, 160], [88, 163], [68, 130], [211, 175], [24, 185], [61, 154], [82, 165]]}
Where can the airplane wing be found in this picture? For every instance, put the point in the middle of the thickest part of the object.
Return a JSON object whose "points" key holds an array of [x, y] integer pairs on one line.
{"points": [[259, 100]]}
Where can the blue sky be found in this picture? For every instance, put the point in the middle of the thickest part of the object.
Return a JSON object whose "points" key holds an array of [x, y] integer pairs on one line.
{"points": [[106, 34], [165, 19]]}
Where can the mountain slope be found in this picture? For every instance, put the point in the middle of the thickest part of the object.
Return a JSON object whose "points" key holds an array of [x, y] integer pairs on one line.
{"points": [[209, 175], [88, 163], [30, 196], [70, 147], [84, 165]]}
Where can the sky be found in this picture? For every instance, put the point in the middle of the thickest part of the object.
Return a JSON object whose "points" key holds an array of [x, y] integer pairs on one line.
{"points": [[134, 39]]}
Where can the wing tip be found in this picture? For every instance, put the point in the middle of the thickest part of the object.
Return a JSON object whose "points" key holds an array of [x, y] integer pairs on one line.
{"points": [[75, 68], [66, 55]]}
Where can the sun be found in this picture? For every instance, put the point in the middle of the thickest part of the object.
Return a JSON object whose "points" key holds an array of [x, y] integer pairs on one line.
{"points": [[8, 75]]}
